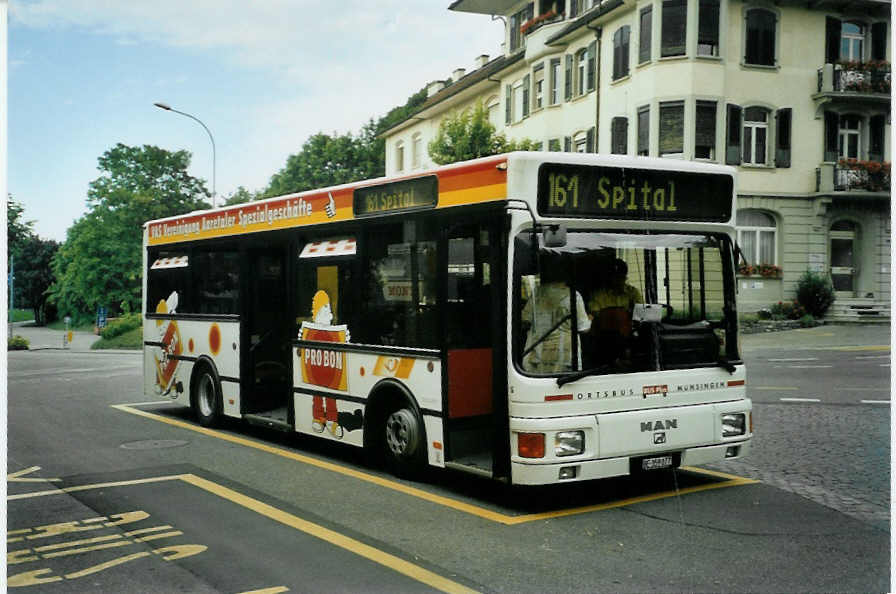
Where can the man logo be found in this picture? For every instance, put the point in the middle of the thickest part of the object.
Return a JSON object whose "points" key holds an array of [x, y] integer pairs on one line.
{"points": [[659, 438], [656, 425]]}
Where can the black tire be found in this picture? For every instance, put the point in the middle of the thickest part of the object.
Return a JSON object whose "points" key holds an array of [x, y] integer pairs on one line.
{"points": [[206, 396], [404, 442]]}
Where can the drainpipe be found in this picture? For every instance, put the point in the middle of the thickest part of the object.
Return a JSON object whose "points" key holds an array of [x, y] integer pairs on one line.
{"points": [[597, 35]]}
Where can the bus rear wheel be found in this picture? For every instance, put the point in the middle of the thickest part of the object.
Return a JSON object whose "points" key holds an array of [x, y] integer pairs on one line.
{"points": [[206, 397], [404, 439]]}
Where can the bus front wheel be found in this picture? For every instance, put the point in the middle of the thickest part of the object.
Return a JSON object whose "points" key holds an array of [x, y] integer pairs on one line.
{"points": [[404, 439], [206, 398]]}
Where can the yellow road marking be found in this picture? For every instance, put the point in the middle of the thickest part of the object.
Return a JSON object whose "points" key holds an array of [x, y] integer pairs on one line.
{"points": [[773, 388], [732, 481], [88, 487], [275, 590], [878, 347], [16, 477], [340, 540]]}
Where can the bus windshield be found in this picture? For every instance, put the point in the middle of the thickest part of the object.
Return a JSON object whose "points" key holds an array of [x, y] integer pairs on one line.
{"points": [[637, 302]]}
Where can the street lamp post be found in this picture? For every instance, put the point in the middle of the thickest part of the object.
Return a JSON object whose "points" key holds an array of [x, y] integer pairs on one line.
{"points": [[167, 107]]}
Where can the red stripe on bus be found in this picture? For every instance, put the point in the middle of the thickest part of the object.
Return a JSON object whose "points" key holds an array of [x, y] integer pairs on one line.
{"points": [[558, 397], [736, 383]]}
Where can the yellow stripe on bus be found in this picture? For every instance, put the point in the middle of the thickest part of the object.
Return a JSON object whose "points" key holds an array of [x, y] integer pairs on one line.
{"points": [[473, 195]]}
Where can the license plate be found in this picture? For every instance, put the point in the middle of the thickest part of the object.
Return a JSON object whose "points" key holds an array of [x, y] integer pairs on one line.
{"points": [[656, 463]]}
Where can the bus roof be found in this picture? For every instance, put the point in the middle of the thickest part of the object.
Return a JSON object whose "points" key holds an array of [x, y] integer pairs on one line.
{"points": [[487, 179]]}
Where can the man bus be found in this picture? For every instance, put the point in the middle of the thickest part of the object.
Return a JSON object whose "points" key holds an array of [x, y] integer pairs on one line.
{"points": [[403, 315]]}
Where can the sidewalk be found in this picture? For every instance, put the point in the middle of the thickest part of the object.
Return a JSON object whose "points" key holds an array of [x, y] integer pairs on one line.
{"points": [[42, 338], [828, 335]]}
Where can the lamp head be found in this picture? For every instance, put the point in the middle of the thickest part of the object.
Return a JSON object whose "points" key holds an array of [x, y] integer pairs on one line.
{"points": [[164, 106]]}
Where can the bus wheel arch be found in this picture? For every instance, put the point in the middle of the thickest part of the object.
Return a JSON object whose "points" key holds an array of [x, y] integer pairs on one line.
{"points": [[205, 393], [394, 432]]}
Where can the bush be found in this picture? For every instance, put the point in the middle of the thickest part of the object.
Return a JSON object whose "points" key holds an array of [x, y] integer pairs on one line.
{"points": [[119, 326], [787, 310], [17, 343], [815, 292], [807, 321]]}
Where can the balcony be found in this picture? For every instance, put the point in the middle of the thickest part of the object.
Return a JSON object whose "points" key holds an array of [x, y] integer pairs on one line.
{"points": [[865, 82], [850, 175]]}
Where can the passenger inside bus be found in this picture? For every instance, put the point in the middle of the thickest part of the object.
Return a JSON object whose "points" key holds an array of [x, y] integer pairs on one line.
{"points": [[611, 307], [547, 321]]}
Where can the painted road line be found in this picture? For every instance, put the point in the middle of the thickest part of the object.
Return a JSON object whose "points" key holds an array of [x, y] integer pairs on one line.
{"points": [[342, 541], [794, 359], [799, 399], [774, 388], [875, 402], [873, 357], [876, 347], [802, 366], [419, 493]]}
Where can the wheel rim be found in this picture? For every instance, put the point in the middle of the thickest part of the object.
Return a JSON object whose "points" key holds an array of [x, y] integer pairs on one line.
{"points": [[206, 395], [402, 433]]}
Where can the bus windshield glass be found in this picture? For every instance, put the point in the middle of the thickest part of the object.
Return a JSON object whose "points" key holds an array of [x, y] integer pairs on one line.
{"points": [[637, 302]]}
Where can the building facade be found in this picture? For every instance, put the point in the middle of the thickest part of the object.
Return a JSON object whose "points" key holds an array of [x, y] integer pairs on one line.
{"points": [[796, 95]]}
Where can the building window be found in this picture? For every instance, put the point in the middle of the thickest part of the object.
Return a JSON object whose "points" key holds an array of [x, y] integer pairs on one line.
{"points": [[850, 136], [554, 145], [705, 130], [494, 112], [644, 35], [644, 130], [674, 27], [755, 135], [518, 102], [399, 156], [619, 136], [581, 70], [620, 52], [554, 95], [517, 39], [852, 40], [539, 87], [672, 129], [756, 236], [760, 37], [580, 143], [416, 150], [708, 28]]}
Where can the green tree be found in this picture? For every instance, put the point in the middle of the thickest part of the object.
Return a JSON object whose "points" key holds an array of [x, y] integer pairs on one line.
{"points": [[100, 262], [34, 275], [240, 196], [17, 228], [468, 134]]}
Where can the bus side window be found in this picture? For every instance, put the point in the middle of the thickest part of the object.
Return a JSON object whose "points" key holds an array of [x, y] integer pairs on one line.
{"points": [[217, 282], [468, 299], [169, 274]]}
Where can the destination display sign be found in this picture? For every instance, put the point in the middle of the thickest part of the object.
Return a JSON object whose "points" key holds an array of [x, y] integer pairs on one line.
{"points": [[408, 194], [629, 193]]}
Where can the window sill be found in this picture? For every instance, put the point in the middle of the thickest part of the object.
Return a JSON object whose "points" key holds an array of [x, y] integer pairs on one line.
{"points": [[679, 58], [756, 166], [644, 64], [621, 79], [761, 67], [709, 58]]}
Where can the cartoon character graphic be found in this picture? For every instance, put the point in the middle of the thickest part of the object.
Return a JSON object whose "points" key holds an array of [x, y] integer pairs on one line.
{"points": [[326, 368], [167, 360]]}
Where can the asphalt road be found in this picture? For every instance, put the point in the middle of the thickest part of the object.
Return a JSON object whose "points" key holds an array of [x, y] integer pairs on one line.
{"points": [[108, 494]]}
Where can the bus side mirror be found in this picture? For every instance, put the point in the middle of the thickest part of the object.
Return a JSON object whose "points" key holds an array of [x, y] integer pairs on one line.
{"points": [[554, 236]]}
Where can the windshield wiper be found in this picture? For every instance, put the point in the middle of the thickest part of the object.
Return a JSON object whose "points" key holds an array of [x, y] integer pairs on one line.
{"points": [[726, 365], [571, 377]]}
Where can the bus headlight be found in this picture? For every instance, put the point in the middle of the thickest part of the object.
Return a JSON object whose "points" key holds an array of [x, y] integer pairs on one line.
{"points": [[569, 443], [733, 424]]}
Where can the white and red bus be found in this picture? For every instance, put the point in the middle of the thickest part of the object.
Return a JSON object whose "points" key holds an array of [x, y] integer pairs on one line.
{"points": [[532, 317]]}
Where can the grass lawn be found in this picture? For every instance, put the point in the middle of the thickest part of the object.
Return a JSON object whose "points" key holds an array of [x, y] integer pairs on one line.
{"points": [[60, 325], [132, 339], [21, 315]]}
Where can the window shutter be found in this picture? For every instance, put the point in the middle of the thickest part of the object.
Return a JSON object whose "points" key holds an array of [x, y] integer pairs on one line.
{"points": [[673, 29], [567, 143], [589, 141], [619, 136], [507, 104], [708, 24], [573, 9], [876, 147], [644, 35], [671, 127], [832, 40], [526, 82], [567, 80], [831, 131], [592, 54], [624, 52], [783, 121], [879, 41], [705, 129], [732, 145], [644, 130]]}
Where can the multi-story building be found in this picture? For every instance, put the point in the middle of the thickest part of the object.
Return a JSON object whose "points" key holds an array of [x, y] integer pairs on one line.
{"points": [[795, 94]]}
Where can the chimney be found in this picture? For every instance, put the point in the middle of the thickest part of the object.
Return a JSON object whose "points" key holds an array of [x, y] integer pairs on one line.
{"points": [[457, 74], [434, 87], [481, 61]]}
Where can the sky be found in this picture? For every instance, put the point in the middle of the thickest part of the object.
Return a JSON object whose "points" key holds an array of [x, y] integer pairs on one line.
{"points": [[262, 76]]}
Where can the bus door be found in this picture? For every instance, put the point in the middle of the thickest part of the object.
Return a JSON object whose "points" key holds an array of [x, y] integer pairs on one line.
{"points": [[266, 379], [472, 333]]}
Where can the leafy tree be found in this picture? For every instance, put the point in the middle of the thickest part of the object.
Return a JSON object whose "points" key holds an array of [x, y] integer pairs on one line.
{"points": [[468, 134], [100, 262], [240, 196], [34, 275], [17, 229], [323, 161]]}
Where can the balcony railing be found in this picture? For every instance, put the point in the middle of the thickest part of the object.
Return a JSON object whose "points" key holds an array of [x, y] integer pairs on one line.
{"points": [[538, 22], [855, 77], [852, 175]]}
